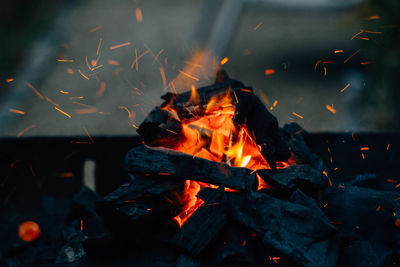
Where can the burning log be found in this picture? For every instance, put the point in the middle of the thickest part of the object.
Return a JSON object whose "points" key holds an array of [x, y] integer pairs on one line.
{"points": [[145, 160], [251, 112], [163, 127], [220, 87], [197, 233], [298, 231]]}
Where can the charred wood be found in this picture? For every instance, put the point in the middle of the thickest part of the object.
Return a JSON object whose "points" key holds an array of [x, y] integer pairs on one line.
{"points": [[303, 177], [294, 137], [160, 128], [358, 253], [142, 208], [234, 246], [144, 159], [364, 213], [202, 227], [295, 230], [251, 112], [186, 261]]}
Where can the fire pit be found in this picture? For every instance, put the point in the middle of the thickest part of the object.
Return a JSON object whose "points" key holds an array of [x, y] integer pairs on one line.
{"points": [[217, 182]]}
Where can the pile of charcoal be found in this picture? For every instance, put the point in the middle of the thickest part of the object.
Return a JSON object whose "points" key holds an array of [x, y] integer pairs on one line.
{"points": [[301, 219]]}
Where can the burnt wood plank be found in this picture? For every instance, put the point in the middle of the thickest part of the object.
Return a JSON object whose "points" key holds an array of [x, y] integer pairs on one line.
{"points": [[144, 159]]}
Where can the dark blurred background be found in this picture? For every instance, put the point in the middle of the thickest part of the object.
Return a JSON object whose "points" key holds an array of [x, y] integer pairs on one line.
{"points": [[70, 68]]}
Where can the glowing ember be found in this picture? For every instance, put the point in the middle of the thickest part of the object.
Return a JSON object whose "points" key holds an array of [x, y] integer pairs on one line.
{"points": [[269, 71], [224, 60], [28, 231], [331, 109], [16, 111]]}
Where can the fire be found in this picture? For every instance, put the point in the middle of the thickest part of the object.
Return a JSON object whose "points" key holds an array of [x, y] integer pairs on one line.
{"points": [[189, 200], [213, 135]]}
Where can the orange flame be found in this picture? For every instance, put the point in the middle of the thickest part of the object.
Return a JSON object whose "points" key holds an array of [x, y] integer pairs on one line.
{"points": [[214, 136]]}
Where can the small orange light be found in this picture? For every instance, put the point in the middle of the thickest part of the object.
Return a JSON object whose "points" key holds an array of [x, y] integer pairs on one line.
{"points": [[269, 71], [224, 60], [28, 231]]}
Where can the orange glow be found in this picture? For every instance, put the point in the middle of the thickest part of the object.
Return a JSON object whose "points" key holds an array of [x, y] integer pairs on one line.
{"points": [[347, 86], [163, 78], [274, 259], [189, 76], [65, 60], [34, 90], [261, 183], [371, 17], [189, 200], [297, 115], [274, 104], [83, 75], [25, 130], [269, 71], [66, 174], [113, 62], [331, 109], [28, 231], [102, 89], [211, 134], [9, 80], [66, 114], [194, 96], [139, 15], [120, 45], [355, 53], [16, 111], [257, 26], [224, 60]]}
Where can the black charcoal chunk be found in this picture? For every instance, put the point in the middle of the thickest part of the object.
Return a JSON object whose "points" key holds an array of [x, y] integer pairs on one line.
{"points": [[358, 253], [295, 139], [186, 261], [364, 213], [160, 128], [297, 231], [300, 176]]}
